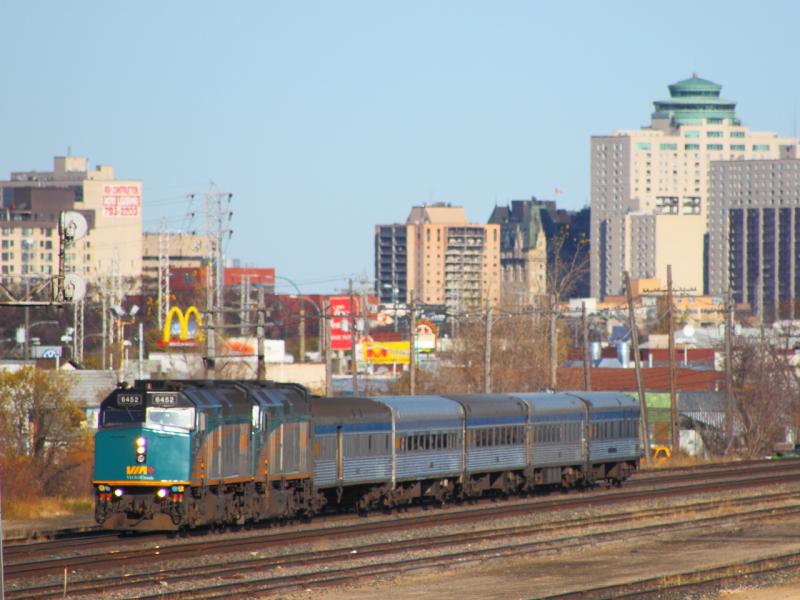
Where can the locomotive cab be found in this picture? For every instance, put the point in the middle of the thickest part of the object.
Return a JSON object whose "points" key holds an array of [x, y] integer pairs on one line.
{"points": [[142, 458]]}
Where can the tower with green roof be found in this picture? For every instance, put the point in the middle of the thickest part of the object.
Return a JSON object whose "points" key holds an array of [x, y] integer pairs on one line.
{"points": [[694, 101]]}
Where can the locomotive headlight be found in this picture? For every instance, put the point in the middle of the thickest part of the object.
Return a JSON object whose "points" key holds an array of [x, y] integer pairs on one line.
{"points": [[118, 492], [162, 493], [141, 449]]}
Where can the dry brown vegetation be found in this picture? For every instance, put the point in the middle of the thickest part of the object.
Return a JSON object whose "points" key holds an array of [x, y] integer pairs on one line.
{"points": [[519, 358], [44, 450]]}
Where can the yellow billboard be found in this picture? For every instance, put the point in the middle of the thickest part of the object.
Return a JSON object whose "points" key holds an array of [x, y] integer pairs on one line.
{"points": [[386, 353]]}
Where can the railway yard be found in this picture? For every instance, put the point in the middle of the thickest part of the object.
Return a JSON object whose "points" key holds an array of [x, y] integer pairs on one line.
{"points": [[727, 530]]}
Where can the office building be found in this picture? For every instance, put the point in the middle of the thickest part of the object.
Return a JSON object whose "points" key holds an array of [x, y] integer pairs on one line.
{"points": [[32, 203], [649, 187], [754, 233], [391, 263]]}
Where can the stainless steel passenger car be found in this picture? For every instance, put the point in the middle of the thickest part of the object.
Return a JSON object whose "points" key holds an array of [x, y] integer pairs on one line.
{"points": [[428, 434]]}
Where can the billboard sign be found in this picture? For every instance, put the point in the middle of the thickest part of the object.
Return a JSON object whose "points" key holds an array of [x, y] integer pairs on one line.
{"points": [[341, 321], [426, 336], [386, 353], [121, 200]]}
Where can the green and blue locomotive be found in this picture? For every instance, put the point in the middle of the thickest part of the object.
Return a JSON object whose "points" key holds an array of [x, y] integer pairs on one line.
{"points": [[174, 454]]}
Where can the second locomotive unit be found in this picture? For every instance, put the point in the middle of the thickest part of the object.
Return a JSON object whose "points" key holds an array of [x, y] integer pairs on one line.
{"points": [[178, 454]]}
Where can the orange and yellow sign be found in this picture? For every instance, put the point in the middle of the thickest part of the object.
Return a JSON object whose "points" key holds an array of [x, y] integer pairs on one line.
{"points": [[386, 353]]}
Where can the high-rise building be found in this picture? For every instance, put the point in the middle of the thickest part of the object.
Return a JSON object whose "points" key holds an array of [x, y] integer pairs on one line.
{"points": [[32, 202], [754, 233], [439, 256], [391, 263], [649, 187]]}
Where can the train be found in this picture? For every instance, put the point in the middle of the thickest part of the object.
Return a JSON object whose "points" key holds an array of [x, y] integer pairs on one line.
{"points": [[176, 454]]}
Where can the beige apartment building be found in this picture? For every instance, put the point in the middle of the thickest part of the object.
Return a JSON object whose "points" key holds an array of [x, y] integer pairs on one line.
{"points": [[32, 202], [649, 187], [440, 258]]}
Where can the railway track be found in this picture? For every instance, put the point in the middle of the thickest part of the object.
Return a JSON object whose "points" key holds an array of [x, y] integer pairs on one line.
{"points": [[696, 580], [227, 544], [321, 568], [97, 539], [39, 561]]}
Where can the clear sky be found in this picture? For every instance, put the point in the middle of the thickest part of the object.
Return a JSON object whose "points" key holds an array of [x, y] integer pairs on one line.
{"points": [[325, 118]]}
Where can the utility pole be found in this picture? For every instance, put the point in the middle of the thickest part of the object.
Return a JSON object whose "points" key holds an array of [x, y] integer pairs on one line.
{"points": [[302, 327], [353, 356], [26, 347], [78, 326], [487, 349], [412, 348], [673, 397], [141, 350], [105, 331], [644, 424], [260, 366], [2, 566], [244, 305], [553, 344], [328, 366], [729, 371], [211, 333], [587, 376]]}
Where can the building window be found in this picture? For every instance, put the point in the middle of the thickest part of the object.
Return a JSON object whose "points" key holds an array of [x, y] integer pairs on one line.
{"points": [[739, 134], [691, 146], [713, 146], [760, 147], [691, 134], [669, 146], [714, 120], [714, 134], [643, 146], [737, 147]]}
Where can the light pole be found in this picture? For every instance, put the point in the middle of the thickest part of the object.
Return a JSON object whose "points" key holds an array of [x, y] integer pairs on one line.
{"points": [[302, 317], [120, 315]]}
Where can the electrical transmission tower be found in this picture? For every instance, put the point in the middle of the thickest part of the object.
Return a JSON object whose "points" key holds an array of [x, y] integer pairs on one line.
{"points": [[217, 218], [163, 274]]}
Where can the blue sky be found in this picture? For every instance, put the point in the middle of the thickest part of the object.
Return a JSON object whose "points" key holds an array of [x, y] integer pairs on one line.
{"points": [[325, 118]]}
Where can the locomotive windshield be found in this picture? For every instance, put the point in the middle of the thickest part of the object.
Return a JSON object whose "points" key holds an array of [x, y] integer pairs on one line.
{"points": [[159, 410], [171, 418]]}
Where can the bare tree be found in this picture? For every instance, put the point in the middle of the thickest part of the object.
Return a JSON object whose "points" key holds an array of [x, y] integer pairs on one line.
{"points": [[766, 395]]}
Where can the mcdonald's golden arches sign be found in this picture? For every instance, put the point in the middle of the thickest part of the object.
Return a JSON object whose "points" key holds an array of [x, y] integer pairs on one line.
{"points": [[183, 328]]}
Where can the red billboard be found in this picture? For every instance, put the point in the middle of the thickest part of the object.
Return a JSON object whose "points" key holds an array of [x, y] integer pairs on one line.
{"points": [[257, 276], [341, 321]]}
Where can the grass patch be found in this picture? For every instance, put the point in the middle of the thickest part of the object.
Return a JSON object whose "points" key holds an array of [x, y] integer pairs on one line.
{"points": [[44, 508]]}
